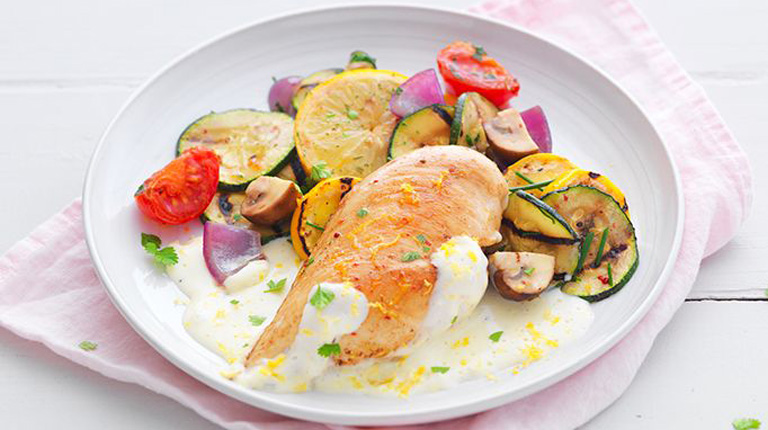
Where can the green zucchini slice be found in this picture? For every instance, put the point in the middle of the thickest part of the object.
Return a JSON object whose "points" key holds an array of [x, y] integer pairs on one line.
{"points": [[307, 84], [427, 126], [360, 60], [611, 257], [566, 254], [472, 110], [225, 209], [250, 143], [535, 219], [293, 171]]}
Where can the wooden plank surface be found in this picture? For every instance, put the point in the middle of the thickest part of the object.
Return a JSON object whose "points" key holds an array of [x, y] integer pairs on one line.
{"points": [[66, 67]]}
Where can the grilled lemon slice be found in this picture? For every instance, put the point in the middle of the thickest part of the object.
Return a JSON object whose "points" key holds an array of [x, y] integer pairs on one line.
{"points": [[344, 124]]}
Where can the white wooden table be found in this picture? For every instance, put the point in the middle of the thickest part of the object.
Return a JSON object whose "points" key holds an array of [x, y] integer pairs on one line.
{"points": [[66, 67]]}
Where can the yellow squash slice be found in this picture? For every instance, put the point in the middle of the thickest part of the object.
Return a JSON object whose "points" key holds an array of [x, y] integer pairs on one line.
{"points": [[537, 168]]}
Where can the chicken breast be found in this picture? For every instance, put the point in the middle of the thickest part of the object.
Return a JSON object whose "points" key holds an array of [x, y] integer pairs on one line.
{"points": [[412, 205]]}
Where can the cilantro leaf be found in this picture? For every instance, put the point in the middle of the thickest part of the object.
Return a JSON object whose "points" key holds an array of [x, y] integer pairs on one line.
{"points": [[352, 114], [479, 52], [164, 257], [362, 212], [256, 320], [529, 270], [453, 321], [88, 345], [321, 298], [310, 260], [746, 424], [150, 242], [275, 287], [235, 301], [329, 349], [410, 256], [399, 90], [421, 238], [320, 171], [440, 369], [496, 336]]}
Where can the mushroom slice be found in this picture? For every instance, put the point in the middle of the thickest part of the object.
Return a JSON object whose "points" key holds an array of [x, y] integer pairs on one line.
{"points": [[508, 137], [269, 200], [521, 276]]}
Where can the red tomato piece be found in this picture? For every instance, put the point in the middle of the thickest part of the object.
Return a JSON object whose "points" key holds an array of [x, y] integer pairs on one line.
{"points": [[466, 67], [182, 190]]}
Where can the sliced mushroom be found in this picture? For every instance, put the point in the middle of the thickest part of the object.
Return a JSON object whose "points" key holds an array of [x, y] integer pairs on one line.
{"points": [[521, 276], [507, 136], [269, 199]]}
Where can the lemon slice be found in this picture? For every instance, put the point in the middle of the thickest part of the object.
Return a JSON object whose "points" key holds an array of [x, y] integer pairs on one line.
{"points": [[345, 123]]}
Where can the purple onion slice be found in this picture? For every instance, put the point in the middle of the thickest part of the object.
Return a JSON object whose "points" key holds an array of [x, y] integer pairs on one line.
{"points": [[536, 122], [422, 89], [227, 249]]}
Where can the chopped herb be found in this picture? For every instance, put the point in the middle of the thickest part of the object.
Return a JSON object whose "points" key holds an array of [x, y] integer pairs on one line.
{"points": [[584, 251], [163, 257], [410, 256], [362, 212], [320, 171], [523, 177], [139, 190], [600, 247], [529, 270], [245, 345], [329, 349], [235, 301], [610, 275], [313, 225], [256, 320], [399, 90], [468, 139], [274, 79], [421, 238], [344, 134], [479, 52], [310, 260], [275, 287], [321, 298], [330, 115], [237, 217], [536, 185], [490, 76], [455, 317], [746, 424], [352, 114], [440, 369], [362, 56], [426, 249], [88, 345], [496, 336], [279, 107]]}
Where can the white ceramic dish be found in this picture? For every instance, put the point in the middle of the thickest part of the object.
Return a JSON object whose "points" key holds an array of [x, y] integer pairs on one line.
{"points": [[594, 123]]}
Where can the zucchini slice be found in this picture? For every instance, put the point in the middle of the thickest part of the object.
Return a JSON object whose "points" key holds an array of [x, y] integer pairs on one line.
{"points": [[537, 168], [225, 209], [293, 171], [566, 254], [310, 82], [590, 179], [472, 110], [250, 143], [535, 219], [427, 126], [610, 258]]}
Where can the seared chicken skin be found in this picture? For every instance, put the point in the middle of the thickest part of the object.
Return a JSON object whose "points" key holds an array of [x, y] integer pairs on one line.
{"points": [[414, 204]]}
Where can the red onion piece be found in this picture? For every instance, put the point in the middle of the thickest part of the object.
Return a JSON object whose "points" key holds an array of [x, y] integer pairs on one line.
{"points": [[227, 249], [422, 89], [281, 94], [536, 122]]}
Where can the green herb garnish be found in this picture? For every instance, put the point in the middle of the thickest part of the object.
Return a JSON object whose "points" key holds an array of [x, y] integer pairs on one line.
{"points": [[600, 247], [320, 171], [237, 217], [256, 320], [321, 298], [529, 271], [329, 349], [362, 212], [530, 186], [399, 90], [426, 248], [235, 301], [746, 424], [479, 52], [313, 225], [352, 114], [362, 56], [610, 275], [523, 177], [88, 345], [496, 336], [275, 287], [584, 250], [454, 319], [440, 369], [310, 260], [163, 257], [421, 238], [279, 108], [410, 256]]}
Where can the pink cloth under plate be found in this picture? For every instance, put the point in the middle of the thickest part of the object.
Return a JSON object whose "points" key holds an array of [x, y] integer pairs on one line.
{"points": [[47, 280]]}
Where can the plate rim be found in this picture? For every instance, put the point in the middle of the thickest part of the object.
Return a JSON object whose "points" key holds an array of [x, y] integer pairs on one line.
{"points": [[398, 417]]}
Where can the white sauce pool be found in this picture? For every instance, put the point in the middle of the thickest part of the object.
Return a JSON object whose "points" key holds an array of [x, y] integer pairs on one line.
{"points": [[454, 345]]}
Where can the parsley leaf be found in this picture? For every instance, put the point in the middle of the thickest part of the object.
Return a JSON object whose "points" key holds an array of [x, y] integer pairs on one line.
{"points": [[321, 298], [479, 52], [746, 424], [440, 369], [275, 287], [496, 336], [88, 346], [529, 270], [362, 212], [165, 256], [310, 260], [453, 321], [329, 349], [235, 301], [352, 114], [320, 171], [410, 256], [421, 238], [399, 90], [256, 320]]}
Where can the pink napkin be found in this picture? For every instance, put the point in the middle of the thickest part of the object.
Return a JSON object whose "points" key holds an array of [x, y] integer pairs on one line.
{"points": [[49, 291]]}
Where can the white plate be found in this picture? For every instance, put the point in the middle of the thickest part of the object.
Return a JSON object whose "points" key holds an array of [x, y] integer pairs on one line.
{"points": [[594, 123]]}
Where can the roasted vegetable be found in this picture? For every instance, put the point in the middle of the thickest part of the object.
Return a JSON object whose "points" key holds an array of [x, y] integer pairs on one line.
{"points": [[360, 60], [534, 218], [419, 91], [520, 276], [225, 209], [269, 200], [535, 169], [472, 111], [508, 138], [428, 126], [590, 179], [309, 83], [566, 254]]}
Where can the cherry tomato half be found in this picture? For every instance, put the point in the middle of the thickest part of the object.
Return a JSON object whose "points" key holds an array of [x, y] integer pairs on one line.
{"points": [[182, 190], [466, 67]]}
